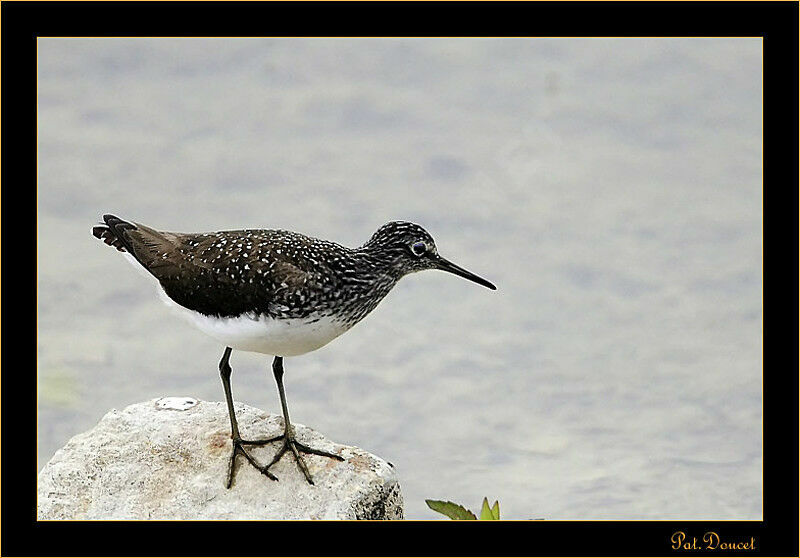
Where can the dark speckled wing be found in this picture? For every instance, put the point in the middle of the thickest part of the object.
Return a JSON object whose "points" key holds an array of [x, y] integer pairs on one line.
{"points": [[233, 272], [230, 273]]}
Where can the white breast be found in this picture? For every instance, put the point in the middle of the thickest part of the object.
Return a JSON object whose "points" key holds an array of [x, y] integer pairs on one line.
{"points": [[262, 334], [258, 334]]}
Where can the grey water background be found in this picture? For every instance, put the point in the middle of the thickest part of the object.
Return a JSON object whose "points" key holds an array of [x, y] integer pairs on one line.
{"points": [[611, 189]]}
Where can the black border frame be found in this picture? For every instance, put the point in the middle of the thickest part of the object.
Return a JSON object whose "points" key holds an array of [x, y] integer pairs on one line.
{"points": [[23, 22]]}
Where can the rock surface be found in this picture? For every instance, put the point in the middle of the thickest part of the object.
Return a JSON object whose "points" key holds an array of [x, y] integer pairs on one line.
{"points": [[168, 459]]}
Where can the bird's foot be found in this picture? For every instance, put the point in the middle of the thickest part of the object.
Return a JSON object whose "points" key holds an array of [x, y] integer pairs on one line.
{"points": [[238, 447], [290, 443]]}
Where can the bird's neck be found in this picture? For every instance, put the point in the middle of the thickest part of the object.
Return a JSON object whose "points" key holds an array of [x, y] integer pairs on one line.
{"points": [[370, 279], [382, 265]]}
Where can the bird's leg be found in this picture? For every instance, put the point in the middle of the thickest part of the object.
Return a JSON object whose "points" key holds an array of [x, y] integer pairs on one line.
{"points": [[289, 441], [225, 372]]}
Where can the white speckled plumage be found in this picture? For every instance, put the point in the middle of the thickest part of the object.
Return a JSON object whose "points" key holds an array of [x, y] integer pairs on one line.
{"points": [[271, 291]]}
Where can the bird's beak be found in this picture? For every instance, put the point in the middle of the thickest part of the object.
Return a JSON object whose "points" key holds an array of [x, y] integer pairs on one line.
{"points": [[450, 267]]}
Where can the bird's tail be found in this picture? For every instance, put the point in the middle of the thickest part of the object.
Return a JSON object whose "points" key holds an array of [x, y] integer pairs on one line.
{"points": [[113, 233], [156, 251]]}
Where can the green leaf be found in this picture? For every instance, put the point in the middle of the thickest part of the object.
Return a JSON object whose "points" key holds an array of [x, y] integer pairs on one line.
{"points": [[486, 512], [492, 513], [451, 510]]}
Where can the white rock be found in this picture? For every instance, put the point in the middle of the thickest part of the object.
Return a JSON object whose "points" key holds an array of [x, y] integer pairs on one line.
{"points": [[168, 459]]}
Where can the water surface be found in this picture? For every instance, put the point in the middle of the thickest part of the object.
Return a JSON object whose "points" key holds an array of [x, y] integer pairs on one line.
{"points": [[611, 189]]}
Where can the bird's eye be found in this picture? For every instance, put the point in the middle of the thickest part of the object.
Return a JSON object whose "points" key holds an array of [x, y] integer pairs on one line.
{"points": [[419, 248]]}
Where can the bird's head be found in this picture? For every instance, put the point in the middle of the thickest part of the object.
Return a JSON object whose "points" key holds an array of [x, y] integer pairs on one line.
{"points": [[411, 248]]}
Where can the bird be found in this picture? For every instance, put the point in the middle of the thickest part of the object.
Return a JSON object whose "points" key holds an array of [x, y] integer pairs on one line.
{"points": [[274, 292]]}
